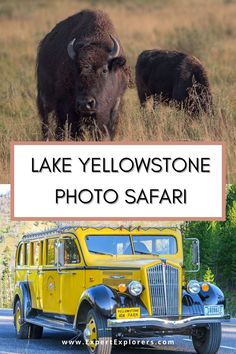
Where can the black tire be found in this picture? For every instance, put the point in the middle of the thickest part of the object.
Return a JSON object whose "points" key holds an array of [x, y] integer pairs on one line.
{"points": [[36, 332], [208, 340], [22, 328], [103, 334]]}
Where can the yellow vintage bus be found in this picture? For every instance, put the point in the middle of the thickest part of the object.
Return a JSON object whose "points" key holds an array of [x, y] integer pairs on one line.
{"points": [[113, 283]]}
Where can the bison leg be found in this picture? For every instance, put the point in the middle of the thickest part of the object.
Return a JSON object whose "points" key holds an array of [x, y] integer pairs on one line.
{"points": [[142, 95], [74, 126], [66, 121], [157, 99], [66, 128], [142, 98], [60, 118], [43, 112], [59, 131], [180, 94]]}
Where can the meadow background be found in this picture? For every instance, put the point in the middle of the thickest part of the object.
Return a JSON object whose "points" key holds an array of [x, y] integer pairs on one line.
{"points": [[204, 28]]}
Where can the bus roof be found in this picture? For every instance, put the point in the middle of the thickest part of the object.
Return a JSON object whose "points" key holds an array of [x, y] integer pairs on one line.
{"points": [[70, 228]]}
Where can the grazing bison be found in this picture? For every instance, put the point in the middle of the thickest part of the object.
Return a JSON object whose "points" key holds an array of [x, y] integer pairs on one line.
{"points": [[173, 76], [81, 75]]}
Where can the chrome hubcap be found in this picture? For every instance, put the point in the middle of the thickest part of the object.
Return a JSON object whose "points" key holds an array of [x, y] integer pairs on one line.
{"points": [[87, 334], [90, 335]]}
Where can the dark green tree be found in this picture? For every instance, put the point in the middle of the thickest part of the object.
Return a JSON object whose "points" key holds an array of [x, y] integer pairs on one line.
{"points": [[6, 279], [218, 247]]}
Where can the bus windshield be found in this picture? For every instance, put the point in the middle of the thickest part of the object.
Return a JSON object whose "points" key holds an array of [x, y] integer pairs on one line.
{"points": [[131, 244]]}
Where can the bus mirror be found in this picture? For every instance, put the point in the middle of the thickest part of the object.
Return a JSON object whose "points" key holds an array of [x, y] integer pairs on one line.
{"points": [[191, 255], [195, 252]]}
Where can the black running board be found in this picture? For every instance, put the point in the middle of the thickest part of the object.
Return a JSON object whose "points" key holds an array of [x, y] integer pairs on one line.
{"points": [[44, 321]]}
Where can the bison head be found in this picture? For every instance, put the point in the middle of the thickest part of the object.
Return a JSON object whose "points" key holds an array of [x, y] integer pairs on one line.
{"points": [[99, 82]]}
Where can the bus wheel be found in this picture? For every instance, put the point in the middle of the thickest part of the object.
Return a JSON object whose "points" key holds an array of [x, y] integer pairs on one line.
{"points": [[97, 336], [22, 328], [208, 339]]}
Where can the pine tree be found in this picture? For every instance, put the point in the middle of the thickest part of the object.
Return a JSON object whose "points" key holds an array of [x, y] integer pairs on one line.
{"points": [[209, 276]]}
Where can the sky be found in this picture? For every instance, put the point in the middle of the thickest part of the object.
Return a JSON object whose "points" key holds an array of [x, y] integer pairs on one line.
{"points": [[4, 188]]}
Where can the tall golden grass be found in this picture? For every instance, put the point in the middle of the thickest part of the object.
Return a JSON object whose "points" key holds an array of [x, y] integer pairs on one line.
{"points": [[204, 28]]}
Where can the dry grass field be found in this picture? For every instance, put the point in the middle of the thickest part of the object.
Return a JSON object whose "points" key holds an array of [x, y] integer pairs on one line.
{"points": [[205, 28]]}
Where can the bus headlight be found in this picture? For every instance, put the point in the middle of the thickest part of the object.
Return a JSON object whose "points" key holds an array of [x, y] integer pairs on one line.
{"points": [[135, 288], [193, 287]]}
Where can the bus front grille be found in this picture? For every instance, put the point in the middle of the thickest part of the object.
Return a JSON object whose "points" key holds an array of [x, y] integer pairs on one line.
{"points": [[164, 289]]}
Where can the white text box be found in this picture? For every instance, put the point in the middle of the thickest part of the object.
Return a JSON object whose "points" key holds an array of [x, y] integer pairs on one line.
{"points": [[181, 181]]}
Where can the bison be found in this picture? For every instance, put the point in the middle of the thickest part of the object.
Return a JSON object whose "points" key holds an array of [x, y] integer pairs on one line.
{"points": [[81, 75], [172, 76]]}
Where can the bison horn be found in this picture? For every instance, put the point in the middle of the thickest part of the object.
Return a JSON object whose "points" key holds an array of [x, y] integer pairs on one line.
{"points": [[70, 49], [116, 48]]}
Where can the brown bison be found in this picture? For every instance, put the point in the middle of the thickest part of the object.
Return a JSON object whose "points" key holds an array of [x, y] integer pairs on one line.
{"points": [[81, 75], [171, 76]]}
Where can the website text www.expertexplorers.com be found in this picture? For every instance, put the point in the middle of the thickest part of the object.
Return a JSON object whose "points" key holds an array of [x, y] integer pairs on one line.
{"points": [[120, 342]]}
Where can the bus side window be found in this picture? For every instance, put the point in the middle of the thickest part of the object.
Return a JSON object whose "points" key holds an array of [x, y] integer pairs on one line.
{"points": [[40, 252], [51, 259], [20, 260], [71, 253], [35, 250], [27, 254]]}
